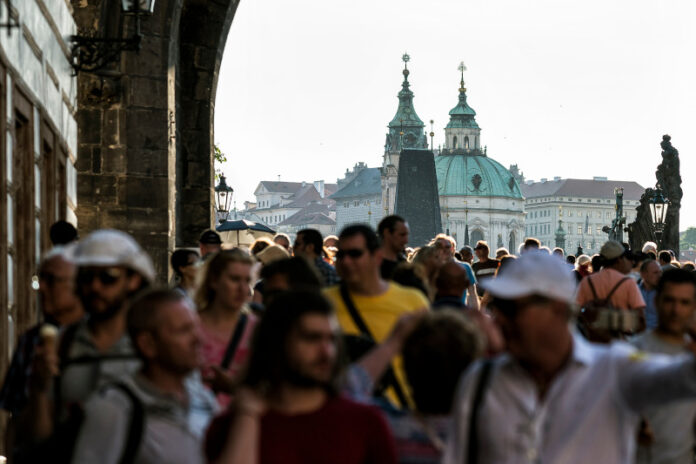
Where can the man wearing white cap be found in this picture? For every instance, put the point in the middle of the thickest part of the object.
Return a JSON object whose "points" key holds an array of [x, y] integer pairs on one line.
{"points": [[554, 397], [112, 268]]}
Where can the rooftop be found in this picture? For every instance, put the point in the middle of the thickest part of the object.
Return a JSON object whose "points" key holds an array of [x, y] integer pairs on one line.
{"points": [[367, 182], [588, 188]]}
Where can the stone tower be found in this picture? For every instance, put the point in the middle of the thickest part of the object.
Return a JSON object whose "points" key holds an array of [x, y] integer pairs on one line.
{"points": [[406, 131]]}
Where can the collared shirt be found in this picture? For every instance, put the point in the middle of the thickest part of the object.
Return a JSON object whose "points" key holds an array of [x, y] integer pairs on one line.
{"points": [[650, 308], [673, 424], [327, 271], [588, 415], [169, 434]]}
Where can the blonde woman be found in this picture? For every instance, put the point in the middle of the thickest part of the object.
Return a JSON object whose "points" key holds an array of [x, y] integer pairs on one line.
{"points": [[226, 323]]}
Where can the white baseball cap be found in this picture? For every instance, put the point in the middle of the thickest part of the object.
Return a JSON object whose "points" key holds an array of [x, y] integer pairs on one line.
{"points": [[109, 247], [534, 273]]}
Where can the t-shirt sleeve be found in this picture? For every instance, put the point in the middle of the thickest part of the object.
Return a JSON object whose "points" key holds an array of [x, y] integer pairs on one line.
{"points": [[381, 447], [469, 273], [418, 301]]}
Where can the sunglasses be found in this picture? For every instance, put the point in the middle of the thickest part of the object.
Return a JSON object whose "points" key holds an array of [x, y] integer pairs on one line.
{"points": [[353, 253], [106, 276]]}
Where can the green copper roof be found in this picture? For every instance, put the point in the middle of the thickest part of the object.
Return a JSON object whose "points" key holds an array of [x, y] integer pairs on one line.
{"points": [[406, 114], [462, 115], [406, 128], [474, 175]]}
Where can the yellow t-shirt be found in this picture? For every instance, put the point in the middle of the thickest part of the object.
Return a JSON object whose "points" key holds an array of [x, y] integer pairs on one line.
{"points": [[380, 313]]}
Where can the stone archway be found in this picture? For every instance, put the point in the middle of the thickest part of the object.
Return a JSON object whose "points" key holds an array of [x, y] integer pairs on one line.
{"points": [[145, 127]]}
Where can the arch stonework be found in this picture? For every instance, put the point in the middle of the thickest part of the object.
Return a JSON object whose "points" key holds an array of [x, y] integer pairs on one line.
{"points": [[145, 125]]}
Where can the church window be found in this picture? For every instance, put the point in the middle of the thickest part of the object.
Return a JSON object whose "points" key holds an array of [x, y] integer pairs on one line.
{"points": [[579, 229], [454, 142], [466, 143], [346, 204]]}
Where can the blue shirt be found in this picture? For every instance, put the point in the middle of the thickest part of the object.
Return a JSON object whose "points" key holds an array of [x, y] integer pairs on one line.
{"points": [[650, 309], [469, 275]]}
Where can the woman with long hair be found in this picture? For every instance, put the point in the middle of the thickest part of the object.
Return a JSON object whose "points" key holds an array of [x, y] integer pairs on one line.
{"points": [[226, 322]]}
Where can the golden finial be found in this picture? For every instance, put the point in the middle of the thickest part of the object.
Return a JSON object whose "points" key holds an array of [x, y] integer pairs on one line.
{"points": [[462, 68]]}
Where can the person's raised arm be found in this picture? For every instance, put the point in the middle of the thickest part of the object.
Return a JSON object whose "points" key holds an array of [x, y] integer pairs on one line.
{"points": [[242, 445], [651, 380]]}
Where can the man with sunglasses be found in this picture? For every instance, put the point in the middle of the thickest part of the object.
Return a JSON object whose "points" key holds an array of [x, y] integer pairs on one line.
{"points": [[553, 396], [112, 268], [366, 299]]}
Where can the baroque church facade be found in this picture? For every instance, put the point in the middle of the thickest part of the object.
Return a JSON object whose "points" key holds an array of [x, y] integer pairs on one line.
{"points": [[479, 198]]}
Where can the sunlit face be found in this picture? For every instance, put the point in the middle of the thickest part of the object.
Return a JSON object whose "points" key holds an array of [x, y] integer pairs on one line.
{"points": [[178, 338], [282, 241], [398, 238], [57, 286], [675, 307], [354, 263], [651, 274], [312, 350], [232, 286]]}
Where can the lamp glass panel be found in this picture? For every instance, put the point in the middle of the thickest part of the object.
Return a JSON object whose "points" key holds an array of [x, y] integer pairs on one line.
{"points": [[653, 215], [659, 218]]}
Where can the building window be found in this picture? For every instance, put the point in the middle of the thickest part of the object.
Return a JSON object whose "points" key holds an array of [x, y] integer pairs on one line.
{"points": [[466, 143], [356, 203], [454, 142], [579, 230]]}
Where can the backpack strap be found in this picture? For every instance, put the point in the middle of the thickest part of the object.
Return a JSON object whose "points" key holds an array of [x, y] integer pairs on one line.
{"points": [[618, 284], [389, 376], [136, 424], [234, 341], [592, 287], [472, 443]]}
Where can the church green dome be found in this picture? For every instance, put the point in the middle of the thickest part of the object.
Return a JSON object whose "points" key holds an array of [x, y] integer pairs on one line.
{"points": [[474, 174]]}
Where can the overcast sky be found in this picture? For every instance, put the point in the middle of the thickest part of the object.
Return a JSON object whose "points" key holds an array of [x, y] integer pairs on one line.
{"points": [[562, 88]]}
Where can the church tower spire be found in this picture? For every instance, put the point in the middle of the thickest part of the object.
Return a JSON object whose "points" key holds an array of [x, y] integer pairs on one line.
{"points": [[462, 131], [406, 130]]}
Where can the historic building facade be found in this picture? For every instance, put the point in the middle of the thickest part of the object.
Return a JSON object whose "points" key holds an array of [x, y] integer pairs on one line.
{"points": [[479, 198], [38, 148], [584, 207], [359, 198]]}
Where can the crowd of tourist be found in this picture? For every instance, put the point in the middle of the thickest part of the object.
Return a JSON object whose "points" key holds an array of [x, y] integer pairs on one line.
{"points": [[355, 349]]}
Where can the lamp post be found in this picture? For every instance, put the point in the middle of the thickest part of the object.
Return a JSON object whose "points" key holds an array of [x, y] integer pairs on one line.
{"points": [[658, 214], [223, 197], [92, 54]]}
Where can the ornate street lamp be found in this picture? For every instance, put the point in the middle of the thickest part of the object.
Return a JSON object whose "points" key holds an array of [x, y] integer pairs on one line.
{"points": [[223, 197], [91, 54], [658, 214]]}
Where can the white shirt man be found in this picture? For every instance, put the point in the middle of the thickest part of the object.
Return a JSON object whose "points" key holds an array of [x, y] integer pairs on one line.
{"points": [[554, 397]]}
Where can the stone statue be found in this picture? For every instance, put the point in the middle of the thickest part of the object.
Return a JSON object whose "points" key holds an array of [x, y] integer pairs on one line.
{"points": [[641, 230], [669, 179]]}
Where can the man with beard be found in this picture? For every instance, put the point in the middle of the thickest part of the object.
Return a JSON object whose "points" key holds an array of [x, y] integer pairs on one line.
{"points": [[289, 410], [166, 336], [111, 269]]}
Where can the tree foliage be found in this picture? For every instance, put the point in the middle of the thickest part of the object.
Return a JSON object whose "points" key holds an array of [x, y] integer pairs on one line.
{"points": [[687, 239], [218, 159]]}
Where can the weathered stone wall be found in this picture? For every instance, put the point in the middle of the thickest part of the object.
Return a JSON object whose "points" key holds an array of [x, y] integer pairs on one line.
{"points": [[146, 125]]}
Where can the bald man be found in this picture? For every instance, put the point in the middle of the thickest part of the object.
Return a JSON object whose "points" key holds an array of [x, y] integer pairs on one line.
{"points": [[451, 283]]}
